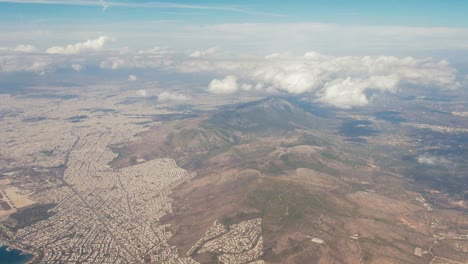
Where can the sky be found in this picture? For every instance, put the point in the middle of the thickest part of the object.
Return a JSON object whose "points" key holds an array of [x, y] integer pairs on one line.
{"points": [[425, 13], [335, 50], [392, 26]]}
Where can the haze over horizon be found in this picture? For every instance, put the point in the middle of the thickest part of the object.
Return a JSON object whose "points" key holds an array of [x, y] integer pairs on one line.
{"points": [[338, 26]]}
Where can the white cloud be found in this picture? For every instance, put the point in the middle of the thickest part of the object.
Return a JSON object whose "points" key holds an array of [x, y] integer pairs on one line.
{"points": [[344, 93], [277, 55], [203, 53], [124, 50], [225, 86], [156, 52], [312, 55], [166, 96], [138, 62], [141, 92], [350, 92], [246, 87], [25, 48], [132, 78], [273, 56], [429, 159], [77, 67], [112, 63], [340, 81], [87, 46], [30, 63]]}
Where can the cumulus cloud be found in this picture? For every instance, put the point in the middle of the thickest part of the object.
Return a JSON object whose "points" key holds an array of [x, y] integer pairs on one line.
{"points": [[335, 77], [87, 46], [141, 92], [350, 92], [344, 92], [25, 48], [203, 53], [132, 78], [339, 81], [166, 96], [226, 86], [429, 159]]}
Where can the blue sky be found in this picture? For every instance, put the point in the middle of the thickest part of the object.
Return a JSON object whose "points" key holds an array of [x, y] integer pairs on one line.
{"points": [[430, 13], [395, 27]]}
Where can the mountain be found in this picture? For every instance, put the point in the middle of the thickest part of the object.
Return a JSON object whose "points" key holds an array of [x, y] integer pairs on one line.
{"points": [[278, 160], [192, 140], [270, 115]]}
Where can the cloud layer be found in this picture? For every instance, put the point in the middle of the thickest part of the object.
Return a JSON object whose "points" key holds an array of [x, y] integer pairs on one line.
{"points": [[341, 81], [31, 63], [203, 53], [87, 46], [25, 48]]}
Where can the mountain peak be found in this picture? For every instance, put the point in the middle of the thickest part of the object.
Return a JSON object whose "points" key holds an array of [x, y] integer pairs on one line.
{"points": [[266, 115]]}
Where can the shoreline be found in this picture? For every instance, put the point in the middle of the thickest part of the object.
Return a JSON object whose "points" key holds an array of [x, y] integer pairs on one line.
{"points": [[23, 251]]}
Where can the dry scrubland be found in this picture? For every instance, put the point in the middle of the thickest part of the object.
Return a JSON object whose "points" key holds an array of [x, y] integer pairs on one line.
{"points": [[102, 178]]}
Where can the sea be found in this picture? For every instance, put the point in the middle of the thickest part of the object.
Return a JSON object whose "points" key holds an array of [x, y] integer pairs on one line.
{"points": [[13, 256]]}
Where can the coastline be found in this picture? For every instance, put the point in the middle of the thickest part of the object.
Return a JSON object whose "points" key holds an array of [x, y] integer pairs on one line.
{"points": [[14, 246]]}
